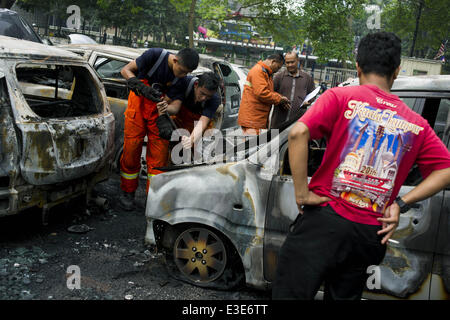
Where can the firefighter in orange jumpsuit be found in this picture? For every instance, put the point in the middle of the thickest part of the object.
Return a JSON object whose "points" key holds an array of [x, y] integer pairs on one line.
{"points": [[148, 77]]}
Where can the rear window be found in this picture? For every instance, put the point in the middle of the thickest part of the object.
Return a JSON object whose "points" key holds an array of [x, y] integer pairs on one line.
{"points": [[59, 91]]}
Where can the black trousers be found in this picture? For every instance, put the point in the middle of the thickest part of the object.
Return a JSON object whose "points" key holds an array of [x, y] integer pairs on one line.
{"points": [[323, 247]]}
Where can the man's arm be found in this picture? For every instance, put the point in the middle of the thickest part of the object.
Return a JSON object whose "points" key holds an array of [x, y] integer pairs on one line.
{"points": [[298, 161], [197, 133], [262, 90], [138, 87], [130, 70], [168, 105], [435, 182], [277, 82]]}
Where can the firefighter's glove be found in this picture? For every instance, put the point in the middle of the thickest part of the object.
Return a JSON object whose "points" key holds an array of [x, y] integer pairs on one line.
{"points": [[164, 126], [141, 89]]}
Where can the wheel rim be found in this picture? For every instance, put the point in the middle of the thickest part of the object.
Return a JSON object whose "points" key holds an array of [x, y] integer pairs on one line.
{"points": [[200, 255]]}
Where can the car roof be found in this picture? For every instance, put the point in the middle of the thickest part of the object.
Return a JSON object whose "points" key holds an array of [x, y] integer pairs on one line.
{"points": [[133, 53], [413, 83], [105, 48], [13, 47], [422, 83], [81, 39], [3, 10]]}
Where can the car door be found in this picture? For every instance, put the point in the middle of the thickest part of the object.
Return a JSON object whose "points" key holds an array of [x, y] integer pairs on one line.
{"points": [[232, 95], [281, 207], [9, 152], [108, 68], [440, 277], [281, 212]]}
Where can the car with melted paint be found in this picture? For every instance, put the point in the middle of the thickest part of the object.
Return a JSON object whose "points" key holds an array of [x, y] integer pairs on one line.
{"points": [[222, 224], [57, 129], [108, 61], [13, 25]]}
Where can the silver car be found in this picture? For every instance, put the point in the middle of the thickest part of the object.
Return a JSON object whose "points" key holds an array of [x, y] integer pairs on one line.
{"points": [[225, 223], [108, 61], [57, 129]]}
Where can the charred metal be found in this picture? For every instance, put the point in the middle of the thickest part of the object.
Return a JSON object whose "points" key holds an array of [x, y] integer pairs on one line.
{"points": [[57, 130]]}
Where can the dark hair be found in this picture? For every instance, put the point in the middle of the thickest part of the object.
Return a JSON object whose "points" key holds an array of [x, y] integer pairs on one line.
{"points": [[291, 52], [379, 53], [189, 58], [277, 57], [209, 80]]}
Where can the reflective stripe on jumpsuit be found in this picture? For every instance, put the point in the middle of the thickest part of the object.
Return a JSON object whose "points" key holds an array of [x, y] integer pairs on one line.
{"points": [[140, 121]]}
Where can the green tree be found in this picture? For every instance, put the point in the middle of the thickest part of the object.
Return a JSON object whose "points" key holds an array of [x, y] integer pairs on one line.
{"points": [[206, 9], [428, 19], [160, 18], [281, 19], [329, 26], [57, 8], [6, 3], [124, 14]]}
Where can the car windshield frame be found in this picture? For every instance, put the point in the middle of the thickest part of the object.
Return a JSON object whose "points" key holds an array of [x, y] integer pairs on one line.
{"points": [[19, 24]]}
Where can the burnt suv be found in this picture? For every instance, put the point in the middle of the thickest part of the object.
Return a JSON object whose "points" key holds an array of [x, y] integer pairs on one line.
{"points": [[225, 223], [57, 129]]}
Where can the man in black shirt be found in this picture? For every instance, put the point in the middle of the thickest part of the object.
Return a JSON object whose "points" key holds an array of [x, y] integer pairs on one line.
{"points": [[193, 99]]}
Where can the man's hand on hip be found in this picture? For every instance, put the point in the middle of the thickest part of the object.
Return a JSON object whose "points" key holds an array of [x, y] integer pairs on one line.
{"points": [[389, 221], [311, 199]]}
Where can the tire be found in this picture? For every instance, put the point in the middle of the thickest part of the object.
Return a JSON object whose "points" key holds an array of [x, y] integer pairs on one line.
{"points": [[204, 257]]}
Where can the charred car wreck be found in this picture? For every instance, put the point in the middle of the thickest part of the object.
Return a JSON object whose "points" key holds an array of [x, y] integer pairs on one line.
{"points": [[225, 223], [57, 130]]}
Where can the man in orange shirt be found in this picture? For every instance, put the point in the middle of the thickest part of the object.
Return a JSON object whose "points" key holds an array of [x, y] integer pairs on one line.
{"points": [[258, 96]]}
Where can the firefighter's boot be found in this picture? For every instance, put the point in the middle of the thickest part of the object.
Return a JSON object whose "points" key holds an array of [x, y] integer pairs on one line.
{"points": [[126, 200]]}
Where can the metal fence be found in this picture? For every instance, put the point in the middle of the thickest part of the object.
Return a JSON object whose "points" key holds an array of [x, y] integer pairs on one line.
{"points": [[332, 76]]}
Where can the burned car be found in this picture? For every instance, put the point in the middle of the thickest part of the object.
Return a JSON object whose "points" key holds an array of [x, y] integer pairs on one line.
{"points": [[108, 61], [13, 25], [57, 129], [223, 223]]}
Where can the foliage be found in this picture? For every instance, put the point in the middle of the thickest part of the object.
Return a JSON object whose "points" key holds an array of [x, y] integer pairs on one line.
{"points": [[329, 25], [400, 16]]}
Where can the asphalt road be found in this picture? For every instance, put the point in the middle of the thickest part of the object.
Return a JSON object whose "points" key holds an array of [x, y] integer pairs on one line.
{"points": [[113, 261]]}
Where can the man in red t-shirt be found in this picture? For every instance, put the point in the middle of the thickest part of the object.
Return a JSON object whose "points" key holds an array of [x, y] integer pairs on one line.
{"points": [[350, 208]]}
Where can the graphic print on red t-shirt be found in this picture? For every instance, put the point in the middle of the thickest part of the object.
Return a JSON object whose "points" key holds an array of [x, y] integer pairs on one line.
{"points": [[378, 140]]}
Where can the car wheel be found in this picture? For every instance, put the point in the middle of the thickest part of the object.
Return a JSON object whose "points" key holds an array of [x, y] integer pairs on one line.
{"points": [[203, 257]]}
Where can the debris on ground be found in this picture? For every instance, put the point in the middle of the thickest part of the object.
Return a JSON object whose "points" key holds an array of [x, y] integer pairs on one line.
{"points": [[79, 228]]}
